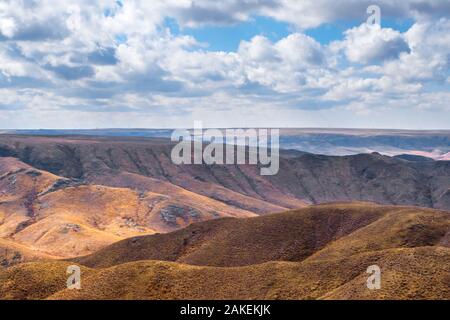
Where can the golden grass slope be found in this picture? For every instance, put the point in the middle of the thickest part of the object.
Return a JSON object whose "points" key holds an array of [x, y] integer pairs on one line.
{"points": [[34, 281], [321, 252], [407, 273], [318, 233], [12, 253]]}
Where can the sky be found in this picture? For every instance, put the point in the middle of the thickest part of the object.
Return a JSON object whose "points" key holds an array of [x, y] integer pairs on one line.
{"points": [[250, 63]]}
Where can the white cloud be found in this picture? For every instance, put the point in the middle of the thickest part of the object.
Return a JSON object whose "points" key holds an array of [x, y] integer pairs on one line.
{"points": [[368, 44], [283, 66], [313, 13], [301, 50], [7, 27], [70, 58], [429, 59]]}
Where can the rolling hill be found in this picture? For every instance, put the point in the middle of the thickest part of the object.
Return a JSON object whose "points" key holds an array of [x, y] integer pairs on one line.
{"points": [[322, 253], [314, 233]]}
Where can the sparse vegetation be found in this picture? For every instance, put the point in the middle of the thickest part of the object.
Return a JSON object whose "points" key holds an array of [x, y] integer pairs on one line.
{"points": [[319, 252]]}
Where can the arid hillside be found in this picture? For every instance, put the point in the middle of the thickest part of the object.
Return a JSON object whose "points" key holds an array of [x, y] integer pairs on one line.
{"points": [[144, 164], [321, 252], [48, 215], [315, 233], [71, 196]]}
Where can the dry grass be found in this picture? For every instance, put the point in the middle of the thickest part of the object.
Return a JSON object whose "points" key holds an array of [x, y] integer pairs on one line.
{"points": [[329, 248], [33, 281], [318, 232], [412, 273]]}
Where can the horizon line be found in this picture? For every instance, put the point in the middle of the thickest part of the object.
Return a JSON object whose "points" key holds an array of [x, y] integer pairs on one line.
{"points": [[206, 128]]}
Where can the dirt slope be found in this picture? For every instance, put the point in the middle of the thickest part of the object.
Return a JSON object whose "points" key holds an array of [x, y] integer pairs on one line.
{"points": [[67, 217], [318, 233]]}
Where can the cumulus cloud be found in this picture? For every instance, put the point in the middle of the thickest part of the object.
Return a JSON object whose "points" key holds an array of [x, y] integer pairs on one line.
{"points": [[65, 58], [7, 27], [193, 13], [369, 44], [429, 59], [312, 13], [285, 65]]}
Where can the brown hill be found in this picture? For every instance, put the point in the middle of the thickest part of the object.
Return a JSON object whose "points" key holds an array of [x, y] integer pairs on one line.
{"points": [[12, 253], [75, 196], [33, 281], [65, 217], [321, 252], [302, 179], [102, 190], [406, 274], [314, 233]]}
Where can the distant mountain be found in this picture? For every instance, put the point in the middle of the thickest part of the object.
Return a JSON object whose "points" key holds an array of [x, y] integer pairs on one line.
{"points": [[433, 144], [302, 179], [335, 142], [413, 157]]}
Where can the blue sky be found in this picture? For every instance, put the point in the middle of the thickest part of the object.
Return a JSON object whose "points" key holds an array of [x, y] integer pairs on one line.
{"points": [[227, 38], [265, 63]]}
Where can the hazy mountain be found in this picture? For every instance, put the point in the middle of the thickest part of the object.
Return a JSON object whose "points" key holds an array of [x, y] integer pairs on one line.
{"points": [[336, 142], [144, 165]]}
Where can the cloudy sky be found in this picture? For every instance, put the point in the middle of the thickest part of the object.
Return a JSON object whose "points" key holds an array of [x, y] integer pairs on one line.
{"points": [[264, 63]]}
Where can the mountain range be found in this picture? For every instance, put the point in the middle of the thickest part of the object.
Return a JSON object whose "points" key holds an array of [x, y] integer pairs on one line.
{"points": [[121, 209], [434, 144]]}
